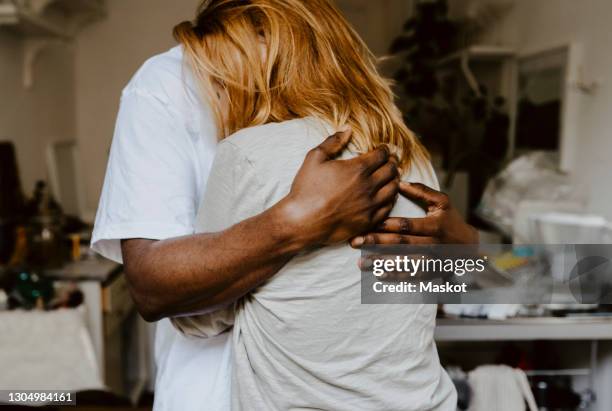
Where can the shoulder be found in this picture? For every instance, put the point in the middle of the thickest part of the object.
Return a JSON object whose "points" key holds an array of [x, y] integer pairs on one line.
{"points": [[278, 139], [167, 78], [422, 172]]}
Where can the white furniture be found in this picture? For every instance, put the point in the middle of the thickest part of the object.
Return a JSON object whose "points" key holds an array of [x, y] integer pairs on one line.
{"points": [[597, 373], [114, 326], [523, 329], [47, 350]]}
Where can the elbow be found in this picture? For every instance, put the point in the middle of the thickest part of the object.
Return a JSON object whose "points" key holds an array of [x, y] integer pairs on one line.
{"points": [[149, 291], [148, 311], [150, 317], [147, 301]]}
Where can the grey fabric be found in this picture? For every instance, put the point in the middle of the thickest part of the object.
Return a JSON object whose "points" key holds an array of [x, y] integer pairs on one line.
{"points": [[303, 340]]}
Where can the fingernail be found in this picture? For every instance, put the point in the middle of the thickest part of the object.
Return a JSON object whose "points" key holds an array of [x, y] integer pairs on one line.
{"points": [[344, 128], [358, 241], [366, 263]]}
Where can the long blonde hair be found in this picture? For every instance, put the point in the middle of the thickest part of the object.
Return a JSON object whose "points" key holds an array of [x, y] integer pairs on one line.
{"points": [[278, 60]]}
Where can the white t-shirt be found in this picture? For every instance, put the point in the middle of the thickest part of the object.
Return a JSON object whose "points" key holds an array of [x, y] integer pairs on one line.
{"points": [[161, 155]]}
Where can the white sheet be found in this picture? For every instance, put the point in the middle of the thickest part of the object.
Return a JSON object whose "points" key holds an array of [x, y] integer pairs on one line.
{"points": [[46, 351]]}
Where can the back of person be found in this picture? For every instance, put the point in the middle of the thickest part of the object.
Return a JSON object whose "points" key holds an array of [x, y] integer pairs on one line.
{"points": [[303, 340]]}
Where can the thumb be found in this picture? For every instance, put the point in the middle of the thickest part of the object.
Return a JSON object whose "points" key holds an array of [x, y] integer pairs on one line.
{"points": [[332, 146], [423, 194]]}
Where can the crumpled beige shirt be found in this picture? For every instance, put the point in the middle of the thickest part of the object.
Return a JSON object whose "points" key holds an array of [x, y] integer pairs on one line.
{"points": [[303, 340]]}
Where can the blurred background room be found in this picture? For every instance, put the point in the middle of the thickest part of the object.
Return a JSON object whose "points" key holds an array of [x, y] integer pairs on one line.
{"points": [[513, 99]]}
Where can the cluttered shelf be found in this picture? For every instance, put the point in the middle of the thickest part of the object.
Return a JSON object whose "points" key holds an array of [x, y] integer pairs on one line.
{"points": [[92, 268], [533, 349], [524, 328]]}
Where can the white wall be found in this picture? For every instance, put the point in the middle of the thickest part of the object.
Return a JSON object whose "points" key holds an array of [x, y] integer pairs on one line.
{"points": [[33, 118], [541, 23], [377, 22]]}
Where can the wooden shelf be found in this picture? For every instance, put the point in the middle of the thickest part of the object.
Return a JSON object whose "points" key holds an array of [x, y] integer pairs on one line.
{"points": [[480, 53], [524, 329], [56, 18], [43, 23], [32, 25], [501, 56]]}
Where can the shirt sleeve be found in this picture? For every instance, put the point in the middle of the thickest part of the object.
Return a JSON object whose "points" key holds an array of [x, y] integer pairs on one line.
{"points": [[151, 183]]}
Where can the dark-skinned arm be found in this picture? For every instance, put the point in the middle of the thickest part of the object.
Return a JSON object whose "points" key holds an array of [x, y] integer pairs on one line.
{"points": [[330, 201]]}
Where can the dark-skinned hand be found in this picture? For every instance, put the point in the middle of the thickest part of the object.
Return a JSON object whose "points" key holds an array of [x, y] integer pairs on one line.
{"points": [[442, 225], [331, 213]]}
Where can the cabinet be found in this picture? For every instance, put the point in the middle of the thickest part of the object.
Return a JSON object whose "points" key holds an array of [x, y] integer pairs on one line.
{"points": [[121, 339]]}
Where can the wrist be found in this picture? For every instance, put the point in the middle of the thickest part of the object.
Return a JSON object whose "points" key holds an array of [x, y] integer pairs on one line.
{"points": [[291, 226]]}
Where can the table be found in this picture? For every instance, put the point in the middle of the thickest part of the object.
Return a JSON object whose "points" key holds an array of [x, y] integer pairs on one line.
{"points": [[110, 316]]}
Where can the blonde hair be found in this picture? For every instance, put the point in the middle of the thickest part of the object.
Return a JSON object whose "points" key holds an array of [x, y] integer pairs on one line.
{"points": [[278, 60]]}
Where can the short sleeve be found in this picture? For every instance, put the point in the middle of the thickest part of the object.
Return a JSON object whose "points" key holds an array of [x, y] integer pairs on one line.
{"points": [[151, 184]]}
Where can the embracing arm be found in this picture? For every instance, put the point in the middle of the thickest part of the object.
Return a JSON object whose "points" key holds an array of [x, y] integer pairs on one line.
{"points": [[330, 201], [207, 271]]}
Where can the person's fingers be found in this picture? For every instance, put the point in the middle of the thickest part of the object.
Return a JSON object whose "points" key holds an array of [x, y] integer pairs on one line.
{"points": [[332, 146], [422, 193], [373, 160], [366, 261], [387, 194], [384, 174], [382, 213], [357, 242], [426, 226], [390, 239]]}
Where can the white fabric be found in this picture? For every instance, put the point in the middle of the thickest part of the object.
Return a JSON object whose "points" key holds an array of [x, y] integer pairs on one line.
{"points": [[501, 388], [160, 159], [66, 362]]}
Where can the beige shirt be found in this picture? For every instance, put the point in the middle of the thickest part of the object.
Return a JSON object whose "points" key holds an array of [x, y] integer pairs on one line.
{"points": [[303, 340]]}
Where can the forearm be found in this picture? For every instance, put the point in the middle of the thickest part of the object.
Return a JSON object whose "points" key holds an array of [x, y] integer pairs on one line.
{"points": [[330, 201], [206, 271]]}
